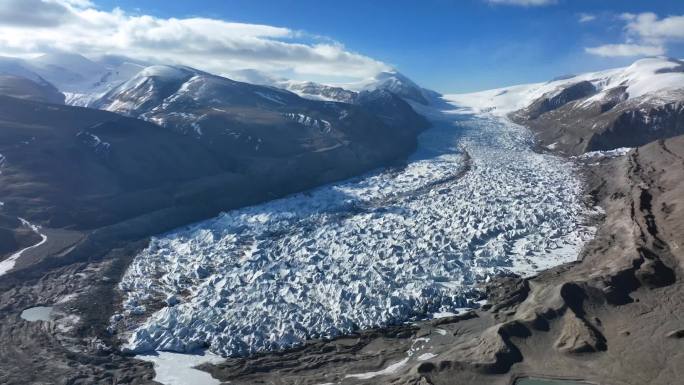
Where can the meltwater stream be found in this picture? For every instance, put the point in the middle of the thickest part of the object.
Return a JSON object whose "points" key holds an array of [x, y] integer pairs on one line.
{"points": [[389, 247]]}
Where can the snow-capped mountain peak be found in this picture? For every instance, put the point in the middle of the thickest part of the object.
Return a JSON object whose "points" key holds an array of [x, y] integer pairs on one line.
{"points": [[399, 85], [646, 78], [622, 107]]}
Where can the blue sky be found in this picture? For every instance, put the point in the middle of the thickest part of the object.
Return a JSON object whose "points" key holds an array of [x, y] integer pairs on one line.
{"points": [[446, 45]]}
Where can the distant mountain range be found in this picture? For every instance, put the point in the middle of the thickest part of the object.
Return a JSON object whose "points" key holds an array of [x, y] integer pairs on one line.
{"points": [[623, 107]]}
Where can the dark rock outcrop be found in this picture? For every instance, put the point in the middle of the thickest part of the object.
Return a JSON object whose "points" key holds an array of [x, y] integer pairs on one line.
{"points": [[553, 102]]}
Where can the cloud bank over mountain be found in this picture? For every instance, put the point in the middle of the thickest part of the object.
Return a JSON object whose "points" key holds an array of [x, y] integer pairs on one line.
{"points": [[31, 27]]}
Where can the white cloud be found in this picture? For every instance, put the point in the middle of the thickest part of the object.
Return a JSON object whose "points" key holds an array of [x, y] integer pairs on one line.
{"points": [[586, 17], [209, 44], [615, 50], [648, 26], [524, 3], [645, 35]]}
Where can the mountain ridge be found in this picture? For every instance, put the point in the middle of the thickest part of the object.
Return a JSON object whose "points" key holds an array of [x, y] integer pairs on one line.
{"points": [[622, 107]]}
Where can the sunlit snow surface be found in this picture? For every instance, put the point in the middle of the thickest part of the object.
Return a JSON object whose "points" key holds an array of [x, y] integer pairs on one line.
{"points": [[389, 247]]}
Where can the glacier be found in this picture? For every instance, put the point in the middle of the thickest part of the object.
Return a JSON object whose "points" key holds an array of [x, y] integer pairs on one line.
{"points": [[393, 246]]}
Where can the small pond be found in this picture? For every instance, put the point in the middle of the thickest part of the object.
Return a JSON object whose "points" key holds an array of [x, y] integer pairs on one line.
{"points": [[38, 313]]}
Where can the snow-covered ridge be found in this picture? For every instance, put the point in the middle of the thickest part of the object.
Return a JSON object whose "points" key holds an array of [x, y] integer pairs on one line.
{"points": [[660, 78]]}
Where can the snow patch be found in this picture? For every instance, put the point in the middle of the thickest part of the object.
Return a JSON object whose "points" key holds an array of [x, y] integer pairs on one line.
{"points": [[165, 72], [94, 141], [388, 370], [593, 155], [179, 369], [8, 264], [426, 356], [38, 313]]}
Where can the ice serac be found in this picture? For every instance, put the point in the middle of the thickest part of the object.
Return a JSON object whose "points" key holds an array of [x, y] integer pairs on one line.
{"points": [[624, 107]]}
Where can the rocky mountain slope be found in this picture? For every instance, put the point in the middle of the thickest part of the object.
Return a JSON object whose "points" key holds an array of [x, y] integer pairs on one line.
{"points": [[318, 91], [624, 107], [252, 127], [221, 144], [399, 84]]}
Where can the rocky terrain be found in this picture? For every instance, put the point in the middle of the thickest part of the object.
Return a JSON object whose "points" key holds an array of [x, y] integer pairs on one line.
{"points": [[23, 88], [393, 81]]}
